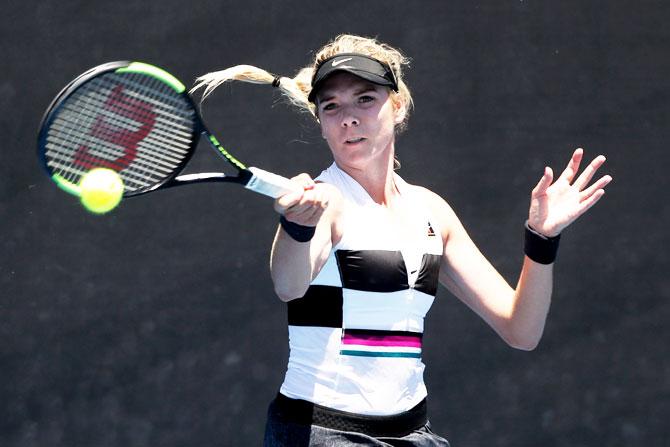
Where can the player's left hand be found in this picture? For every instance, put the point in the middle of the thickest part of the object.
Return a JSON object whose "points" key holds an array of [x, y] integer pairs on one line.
{"points": [[554, 206]]}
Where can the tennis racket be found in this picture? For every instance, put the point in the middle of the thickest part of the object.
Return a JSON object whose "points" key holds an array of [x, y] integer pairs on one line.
{"points": [[138, 120]]}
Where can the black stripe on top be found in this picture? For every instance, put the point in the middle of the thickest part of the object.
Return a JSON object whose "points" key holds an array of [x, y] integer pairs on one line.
{"points": [[385, 271], [372, 270], [429, 274], [321, 306]]}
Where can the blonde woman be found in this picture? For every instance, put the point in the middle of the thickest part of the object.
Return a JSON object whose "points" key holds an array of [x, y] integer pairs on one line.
{"points": [[359, 252]]}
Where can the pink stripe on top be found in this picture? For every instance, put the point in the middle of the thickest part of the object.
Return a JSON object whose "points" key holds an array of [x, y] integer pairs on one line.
{"points": [[380, 340]]}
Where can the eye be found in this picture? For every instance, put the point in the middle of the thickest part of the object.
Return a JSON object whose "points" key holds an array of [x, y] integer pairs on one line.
{"points": [[329, 106], [366, 98]]}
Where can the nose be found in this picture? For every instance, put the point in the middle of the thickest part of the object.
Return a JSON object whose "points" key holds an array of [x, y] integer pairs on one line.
{"points": [[350, 120]]}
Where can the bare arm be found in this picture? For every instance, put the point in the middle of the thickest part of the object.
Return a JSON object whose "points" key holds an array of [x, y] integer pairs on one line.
{"points": [[293, 264], [518, 314]]}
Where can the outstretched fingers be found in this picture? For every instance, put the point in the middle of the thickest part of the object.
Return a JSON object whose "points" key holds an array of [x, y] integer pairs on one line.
{"points": [[595, 188], [589, 172], [590, 201], [544, 182], [571, 169]]}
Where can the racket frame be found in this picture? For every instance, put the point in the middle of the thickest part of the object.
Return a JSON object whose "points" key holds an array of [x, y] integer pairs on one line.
{"points": [[251, 178]]}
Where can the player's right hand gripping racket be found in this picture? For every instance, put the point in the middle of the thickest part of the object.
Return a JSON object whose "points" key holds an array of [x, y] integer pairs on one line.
{"points": [[138, 120]]}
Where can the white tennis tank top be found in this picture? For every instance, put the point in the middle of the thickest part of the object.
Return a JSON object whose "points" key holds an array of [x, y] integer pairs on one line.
{"points": [[355, 337]]}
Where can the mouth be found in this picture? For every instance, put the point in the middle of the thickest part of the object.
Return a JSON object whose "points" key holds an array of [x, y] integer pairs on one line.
{"points": [[354, 140]]}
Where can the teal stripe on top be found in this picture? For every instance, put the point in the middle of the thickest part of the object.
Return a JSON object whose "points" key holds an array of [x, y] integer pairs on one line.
{"points": [[415, 355]]}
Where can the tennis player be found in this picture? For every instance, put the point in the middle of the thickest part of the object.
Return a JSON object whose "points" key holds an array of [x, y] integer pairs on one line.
{"points": [[359, 253]]}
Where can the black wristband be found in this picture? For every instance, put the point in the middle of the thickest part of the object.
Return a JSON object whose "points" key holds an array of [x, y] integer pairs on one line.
{"points": [[300, 233], [540, 248]]}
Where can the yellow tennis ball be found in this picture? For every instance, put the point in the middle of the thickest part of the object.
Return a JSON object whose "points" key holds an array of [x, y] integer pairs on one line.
{"points": [[100, 190]]}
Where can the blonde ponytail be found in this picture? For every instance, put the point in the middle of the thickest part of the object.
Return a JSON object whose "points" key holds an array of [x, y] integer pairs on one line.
{"points": [[295, 89]]}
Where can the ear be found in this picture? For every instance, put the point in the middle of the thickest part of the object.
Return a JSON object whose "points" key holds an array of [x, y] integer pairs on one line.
{"points": [[399, 108]]}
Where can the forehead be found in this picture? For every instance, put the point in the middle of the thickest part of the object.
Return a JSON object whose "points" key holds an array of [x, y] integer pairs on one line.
{"points": [[342, 83]]}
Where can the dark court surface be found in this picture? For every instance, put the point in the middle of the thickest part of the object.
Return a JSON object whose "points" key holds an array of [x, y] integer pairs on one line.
{"points": [[157, 324]]}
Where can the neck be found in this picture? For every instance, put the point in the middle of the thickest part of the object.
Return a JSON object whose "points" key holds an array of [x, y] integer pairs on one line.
{"points": [[376, 179]]}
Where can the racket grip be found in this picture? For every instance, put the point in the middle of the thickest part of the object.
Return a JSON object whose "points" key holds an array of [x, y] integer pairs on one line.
{"points": [[269, 184]]}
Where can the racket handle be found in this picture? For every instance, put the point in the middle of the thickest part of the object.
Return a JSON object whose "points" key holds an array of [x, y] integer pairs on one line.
{"points": [[269, 184]]}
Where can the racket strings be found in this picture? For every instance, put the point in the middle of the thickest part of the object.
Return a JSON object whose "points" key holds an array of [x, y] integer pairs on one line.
{"points": [[130, 122], [113, 150], [108, 150], [127, 122], [142, 102]]}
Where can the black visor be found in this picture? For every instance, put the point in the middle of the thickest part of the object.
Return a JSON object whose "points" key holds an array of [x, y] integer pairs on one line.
{"points": [[364, 67]]}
